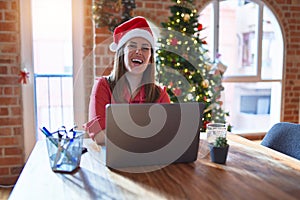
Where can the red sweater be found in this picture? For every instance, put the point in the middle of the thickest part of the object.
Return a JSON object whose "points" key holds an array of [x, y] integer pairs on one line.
{"points": [[101, 96]]}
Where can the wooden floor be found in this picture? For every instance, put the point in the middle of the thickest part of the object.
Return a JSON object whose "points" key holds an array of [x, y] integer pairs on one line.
{"points": [[4, 193]]}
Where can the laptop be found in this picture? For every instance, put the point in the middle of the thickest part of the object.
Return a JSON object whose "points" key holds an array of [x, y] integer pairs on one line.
{"points": [[152, 134]]}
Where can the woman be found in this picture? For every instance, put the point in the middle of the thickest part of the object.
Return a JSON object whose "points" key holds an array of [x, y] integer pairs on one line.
{"points": [[132, 79]]}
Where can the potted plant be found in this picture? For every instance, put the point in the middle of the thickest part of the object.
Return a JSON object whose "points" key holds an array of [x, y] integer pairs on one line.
{"points": [[219, 150]]}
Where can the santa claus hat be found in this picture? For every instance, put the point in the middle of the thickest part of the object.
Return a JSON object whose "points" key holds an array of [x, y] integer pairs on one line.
{"points": [[135, 27]]}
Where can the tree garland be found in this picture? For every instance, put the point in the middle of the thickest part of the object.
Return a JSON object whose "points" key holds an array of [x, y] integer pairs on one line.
{"points": [[111, 13]]}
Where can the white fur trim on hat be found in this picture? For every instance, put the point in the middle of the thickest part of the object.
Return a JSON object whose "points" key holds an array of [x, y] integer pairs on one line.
{"points": [[132, 34]]}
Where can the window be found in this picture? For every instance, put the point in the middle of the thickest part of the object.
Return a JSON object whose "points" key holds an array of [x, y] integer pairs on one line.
{"points": [[248, 37], [53, 63], [45, 17]]}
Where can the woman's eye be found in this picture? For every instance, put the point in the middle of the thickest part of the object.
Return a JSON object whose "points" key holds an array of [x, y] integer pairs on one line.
{"points": [[132, 46], [145, 48]]}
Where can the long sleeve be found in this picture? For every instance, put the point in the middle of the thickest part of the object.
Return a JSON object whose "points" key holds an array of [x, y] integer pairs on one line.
{"points": [[100, 97], [164, 97]]}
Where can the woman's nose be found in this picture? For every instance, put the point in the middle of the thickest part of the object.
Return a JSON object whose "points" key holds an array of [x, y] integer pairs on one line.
{"points": [[138, 51]]}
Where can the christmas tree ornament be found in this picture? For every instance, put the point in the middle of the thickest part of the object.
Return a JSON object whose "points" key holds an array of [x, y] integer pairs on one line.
{"points": [[205, 83], [177, 92], [118, 5], [221, 67], [186, 17], [207, 67], [199, 27], [185, 55], [174, 42], [218, 67]]}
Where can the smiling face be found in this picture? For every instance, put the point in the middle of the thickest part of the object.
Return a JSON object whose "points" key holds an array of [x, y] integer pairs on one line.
{"points": [[137, 53]]}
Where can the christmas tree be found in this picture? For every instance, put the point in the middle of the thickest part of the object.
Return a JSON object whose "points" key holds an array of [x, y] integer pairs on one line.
{"points": [[183, 64]]}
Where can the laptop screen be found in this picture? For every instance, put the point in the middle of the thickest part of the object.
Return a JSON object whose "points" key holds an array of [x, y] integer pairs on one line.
{"points": [[152, 134]]}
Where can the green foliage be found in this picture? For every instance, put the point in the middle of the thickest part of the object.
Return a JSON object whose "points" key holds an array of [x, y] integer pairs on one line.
{"points": [[184, 66], [220, 142], [111, 13]]}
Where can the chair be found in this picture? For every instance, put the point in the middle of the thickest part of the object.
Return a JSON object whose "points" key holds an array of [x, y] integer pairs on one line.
{"points": [[285, 138]]}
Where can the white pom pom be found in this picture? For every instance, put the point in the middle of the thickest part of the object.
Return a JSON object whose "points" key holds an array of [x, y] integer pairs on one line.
{"points": [[113, 47]]}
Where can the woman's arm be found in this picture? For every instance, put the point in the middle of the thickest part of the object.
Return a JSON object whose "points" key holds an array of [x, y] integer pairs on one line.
{"points": [[100, 97], [164, 97]]}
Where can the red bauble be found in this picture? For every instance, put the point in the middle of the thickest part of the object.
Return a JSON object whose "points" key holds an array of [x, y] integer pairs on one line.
{"points": [[200, 27], [177, 92], [205, 124], [174, 41]]}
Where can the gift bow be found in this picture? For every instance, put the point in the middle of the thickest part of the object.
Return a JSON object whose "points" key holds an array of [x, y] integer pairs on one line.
{"points": [[24, 75]]}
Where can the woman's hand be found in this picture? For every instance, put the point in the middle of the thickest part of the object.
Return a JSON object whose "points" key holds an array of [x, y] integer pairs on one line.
{"points": [[99, 138]]}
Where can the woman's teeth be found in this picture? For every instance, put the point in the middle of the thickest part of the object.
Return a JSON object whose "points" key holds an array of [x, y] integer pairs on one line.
{"points": [[137, 61]]}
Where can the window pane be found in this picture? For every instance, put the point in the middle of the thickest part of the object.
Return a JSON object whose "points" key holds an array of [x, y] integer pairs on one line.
{"points": [[52, 36], [253, 107], [238, 37], [272, 47], [206, 18]]}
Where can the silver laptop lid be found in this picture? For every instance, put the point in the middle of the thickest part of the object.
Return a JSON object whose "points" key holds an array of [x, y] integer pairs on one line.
{"points": [[152, 134]]}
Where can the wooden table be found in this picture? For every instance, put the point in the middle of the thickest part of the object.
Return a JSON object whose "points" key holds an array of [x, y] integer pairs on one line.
{"points": [[251, 172]]}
